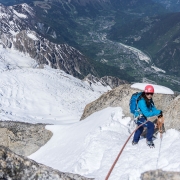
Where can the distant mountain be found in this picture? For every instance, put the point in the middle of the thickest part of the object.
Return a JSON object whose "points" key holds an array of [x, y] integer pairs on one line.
{"points": [[62, 20], [95, 28], [89, 4], [85, 25], [17, 25], [20, 20], [172, 5]]}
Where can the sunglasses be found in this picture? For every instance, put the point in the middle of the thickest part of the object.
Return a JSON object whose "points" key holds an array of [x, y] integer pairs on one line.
{"points": [[149, 94]]}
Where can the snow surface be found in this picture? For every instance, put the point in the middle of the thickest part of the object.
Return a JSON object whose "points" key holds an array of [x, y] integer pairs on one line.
{"points": [[90, 147], [19, 14], [157, 88], [158, 69], [97, 86], [12, 59], [32, 36], [37, 95]]}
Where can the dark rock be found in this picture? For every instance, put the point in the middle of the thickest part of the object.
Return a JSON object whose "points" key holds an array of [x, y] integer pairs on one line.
{"points": [[16, 167]]}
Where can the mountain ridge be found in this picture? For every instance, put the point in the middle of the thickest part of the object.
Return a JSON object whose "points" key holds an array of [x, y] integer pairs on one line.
{"points": [[75, 63], [67, 22], [17, 32]]}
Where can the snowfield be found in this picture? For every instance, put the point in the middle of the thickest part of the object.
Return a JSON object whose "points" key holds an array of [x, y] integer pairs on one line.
{"points": [[90, 147], [42, 96], [46, 95], [19, 14], [87, 147], [32, 36]]}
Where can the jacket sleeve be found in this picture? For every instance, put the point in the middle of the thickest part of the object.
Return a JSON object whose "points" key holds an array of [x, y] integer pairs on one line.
{"points": [[147, 112], [154, 108]]}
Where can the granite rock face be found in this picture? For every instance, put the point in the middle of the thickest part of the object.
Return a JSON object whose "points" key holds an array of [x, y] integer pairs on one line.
{"points": [[160, 175], [110, 81], [23, 138], [16, 167], [172, 115], [120, 97]]}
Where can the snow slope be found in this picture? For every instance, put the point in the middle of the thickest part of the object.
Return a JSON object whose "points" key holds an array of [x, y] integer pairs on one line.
{"points": [[35, 95], [90, 147]]}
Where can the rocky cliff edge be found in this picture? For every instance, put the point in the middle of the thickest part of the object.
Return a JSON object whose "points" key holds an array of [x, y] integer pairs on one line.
{"points": [[120, 97]]}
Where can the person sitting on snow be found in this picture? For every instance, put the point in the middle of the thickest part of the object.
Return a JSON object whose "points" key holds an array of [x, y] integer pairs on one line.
{"points": [[146, 109]]}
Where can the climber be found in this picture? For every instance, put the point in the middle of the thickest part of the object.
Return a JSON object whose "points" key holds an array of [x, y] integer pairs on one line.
{"points": [[146, 109]]}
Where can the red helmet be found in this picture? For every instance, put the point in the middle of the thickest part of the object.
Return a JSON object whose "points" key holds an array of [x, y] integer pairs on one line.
{"points": [[149, 89]]}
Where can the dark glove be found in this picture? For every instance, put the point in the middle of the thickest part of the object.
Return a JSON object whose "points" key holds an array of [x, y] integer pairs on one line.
{"points": [[160, 115]]}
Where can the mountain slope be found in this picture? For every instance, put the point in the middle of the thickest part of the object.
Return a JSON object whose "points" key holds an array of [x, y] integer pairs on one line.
{"points": [[61, 21], [89, 34], [18, 25], [64, 16], [17, 32], [30, 94]]}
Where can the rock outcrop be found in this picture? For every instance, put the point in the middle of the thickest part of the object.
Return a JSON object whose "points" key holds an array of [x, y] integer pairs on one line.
{"points": [[172, 115], [13, 167], [160, 175], [23, 138], [120, 96], [110, 81]]}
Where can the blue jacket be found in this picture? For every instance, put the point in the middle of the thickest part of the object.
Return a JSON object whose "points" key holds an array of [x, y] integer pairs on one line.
{"points": [[144, 110]]}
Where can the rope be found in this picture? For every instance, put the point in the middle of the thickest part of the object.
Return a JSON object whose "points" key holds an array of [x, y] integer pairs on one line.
{"points": [[161, 137], [112, 167]]}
